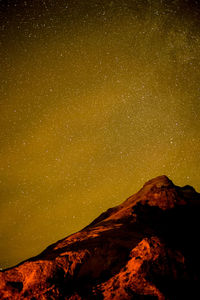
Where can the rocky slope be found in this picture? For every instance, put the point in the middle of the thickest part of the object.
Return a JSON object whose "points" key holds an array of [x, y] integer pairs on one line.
{"points": [[145, 248]]}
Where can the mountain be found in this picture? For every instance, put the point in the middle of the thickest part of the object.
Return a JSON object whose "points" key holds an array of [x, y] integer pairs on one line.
{"points": [[145, 248]]}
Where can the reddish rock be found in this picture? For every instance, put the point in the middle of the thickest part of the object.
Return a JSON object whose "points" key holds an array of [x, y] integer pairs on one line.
{"points": [[145, 248]]}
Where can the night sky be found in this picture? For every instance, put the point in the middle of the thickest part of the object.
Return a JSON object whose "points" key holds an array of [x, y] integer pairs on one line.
{"points": [[97, 97]]}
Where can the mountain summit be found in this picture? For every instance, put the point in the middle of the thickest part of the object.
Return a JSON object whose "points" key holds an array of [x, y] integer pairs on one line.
{"points": [[145, 248]]}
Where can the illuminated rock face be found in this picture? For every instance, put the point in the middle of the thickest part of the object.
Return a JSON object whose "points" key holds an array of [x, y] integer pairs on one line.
{"points": [[145, 248]]}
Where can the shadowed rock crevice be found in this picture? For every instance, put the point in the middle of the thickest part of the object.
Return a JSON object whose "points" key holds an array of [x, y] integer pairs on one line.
{"points": [[15, 285]]}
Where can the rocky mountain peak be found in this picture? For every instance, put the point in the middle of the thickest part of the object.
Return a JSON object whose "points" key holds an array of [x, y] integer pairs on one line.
{"points": [[146, 247], [160, 181]]}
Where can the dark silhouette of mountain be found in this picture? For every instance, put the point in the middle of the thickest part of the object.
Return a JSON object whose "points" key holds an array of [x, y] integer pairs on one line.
{"points": [[145, 248]]}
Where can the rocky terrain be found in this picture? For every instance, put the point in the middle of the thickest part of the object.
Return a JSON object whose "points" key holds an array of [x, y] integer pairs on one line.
{"points": [[145, 248]]}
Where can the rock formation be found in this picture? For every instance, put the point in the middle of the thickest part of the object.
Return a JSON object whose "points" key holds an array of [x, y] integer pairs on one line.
{"points": [[145, 248]]}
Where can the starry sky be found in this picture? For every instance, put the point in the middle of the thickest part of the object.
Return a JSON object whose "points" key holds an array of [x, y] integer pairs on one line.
{"points": [[97, 97]]}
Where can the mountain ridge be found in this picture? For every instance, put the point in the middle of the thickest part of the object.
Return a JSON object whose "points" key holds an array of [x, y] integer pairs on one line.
{"points": [[145, 247]]}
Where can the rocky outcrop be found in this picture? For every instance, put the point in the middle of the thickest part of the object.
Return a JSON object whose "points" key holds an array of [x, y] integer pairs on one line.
{"points": [[145, 248]]}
